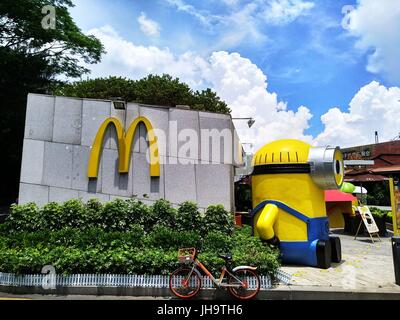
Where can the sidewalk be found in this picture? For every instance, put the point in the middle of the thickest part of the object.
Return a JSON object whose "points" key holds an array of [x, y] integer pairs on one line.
{"points": [[366, 268]]}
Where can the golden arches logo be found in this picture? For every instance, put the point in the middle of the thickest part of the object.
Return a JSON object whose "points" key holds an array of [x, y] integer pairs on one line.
{"points": [[124, 146]]}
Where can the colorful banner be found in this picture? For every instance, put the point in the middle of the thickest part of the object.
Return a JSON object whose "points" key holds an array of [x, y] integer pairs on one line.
{"points": [[395, 198]]}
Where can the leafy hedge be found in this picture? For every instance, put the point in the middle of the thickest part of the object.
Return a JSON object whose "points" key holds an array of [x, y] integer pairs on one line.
{"points": [[117, 215], [123, 237], [379, 213]]}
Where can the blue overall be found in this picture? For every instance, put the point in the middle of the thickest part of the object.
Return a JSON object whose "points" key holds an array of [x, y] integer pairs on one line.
{"points": [[300, 252]]}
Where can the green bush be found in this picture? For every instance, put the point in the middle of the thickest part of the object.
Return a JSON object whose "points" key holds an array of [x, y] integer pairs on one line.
{"points": [[23, 218], [251, 250], [163, 213], [84, 239], [139, 214], [73, 215], [98, 251], [123, 237], [167, 238], [188, 217], [117, 215], [52, 216], [218, 219], [26, 261], [376, 212], [217, 241]]}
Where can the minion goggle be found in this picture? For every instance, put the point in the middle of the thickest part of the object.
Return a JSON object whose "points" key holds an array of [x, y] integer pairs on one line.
{"points": [[325, 165]]}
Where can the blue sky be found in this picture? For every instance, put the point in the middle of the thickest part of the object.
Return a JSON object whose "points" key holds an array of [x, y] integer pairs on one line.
{"points": [[309, 59]]}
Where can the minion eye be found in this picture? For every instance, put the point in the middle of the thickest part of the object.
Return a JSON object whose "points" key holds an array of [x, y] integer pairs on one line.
{"points": [[337, 167], [326, 167]]}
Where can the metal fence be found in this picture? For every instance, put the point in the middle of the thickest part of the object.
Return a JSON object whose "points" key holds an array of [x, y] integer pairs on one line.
{"points": [[110, 280]]}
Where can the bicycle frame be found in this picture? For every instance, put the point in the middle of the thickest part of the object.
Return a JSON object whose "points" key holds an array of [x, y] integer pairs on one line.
{"points": [[217, 282]]}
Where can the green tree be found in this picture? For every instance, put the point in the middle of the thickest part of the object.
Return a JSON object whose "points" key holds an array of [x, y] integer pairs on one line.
{"points": [[21, 30], [99, 88], [162, 90], [31, 58], [209, 101], [154, 89]]}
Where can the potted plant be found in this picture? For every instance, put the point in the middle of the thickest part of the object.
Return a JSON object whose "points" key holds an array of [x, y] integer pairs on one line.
{"points": [[380, 219]]}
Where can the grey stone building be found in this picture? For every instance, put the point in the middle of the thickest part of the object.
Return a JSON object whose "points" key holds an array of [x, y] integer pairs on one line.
{"points": [[60, 132]]}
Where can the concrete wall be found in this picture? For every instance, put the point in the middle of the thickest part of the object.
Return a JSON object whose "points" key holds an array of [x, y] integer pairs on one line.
{"points": [[59, 133]]}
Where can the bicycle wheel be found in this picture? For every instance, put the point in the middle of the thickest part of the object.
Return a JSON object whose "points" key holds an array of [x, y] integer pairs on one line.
{"points": [[184, 283], [249, 282]]}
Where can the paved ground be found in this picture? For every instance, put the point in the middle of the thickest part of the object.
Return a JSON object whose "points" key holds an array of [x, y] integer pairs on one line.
{"points": [[365, 266]]}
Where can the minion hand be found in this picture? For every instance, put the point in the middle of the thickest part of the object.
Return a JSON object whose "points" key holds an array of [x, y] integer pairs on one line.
{"points": [[274, 242]]}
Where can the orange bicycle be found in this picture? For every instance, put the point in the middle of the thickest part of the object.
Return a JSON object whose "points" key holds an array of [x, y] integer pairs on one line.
{"points": [[241, 282]]}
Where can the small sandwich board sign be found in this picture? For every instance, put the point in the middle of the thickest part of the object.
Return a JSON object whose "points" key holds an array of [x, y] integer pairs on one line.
{"points": [[369, 223]]}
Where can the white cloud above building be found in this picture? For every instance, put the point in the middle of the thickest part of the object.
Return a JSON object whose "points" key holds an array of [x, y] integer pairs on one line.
{"points": [[376, 24], [244, 86], [373, 108], [149, 27]]}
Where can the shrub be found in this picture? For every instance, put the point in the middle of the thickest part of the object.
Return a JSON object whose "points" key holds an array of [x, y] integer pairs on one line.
{"points": [[52, 216], [217, 242], [218, 219], [376, 212], [167, 238], [94, 209], [124, 237], [188, 217], [23, 218], [27, 261], [117, 215], [97, 251], [73, 215], [138, 214], [163, 213], [251, 250], [114, 215]]}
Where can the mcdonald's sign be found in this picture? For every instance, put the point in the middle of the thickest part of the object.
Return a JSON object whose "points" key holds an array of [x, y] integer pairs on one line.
{"points": [[125, 140]]}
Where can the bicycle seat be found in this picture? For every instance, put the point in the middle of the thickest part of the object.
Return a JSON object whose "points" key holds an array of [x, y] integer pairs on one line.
{"points": [[226, 257]]}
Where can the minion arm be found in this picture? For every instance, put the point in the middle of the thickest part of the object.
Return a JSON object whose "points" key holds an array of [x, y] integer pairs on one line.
{"points": [[266, 221]]}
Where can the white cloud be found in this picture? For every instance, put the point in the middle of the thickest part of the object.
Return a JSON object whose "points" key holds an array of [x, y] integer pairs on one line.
{"points": [[377, 25], [236, 80], [286, 11], [373, 108], [240, 26], [204, 17], [149, 27], [245, 22], [126, 59], [244, 87]]}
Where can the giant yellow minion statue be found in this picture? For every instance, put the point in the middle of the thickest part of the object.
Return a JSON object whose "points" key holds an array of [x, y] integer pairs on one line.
{"points": [[289, 179]]}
